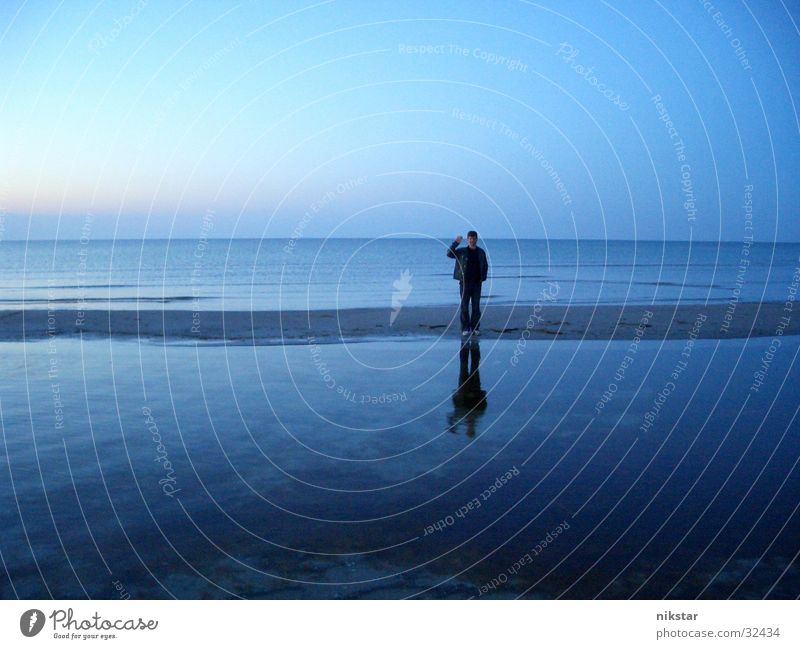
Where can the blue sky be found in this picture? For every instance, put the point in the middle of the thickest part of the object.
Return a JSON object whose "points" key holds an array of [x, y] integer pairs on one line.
{"points": [[380, 118]]}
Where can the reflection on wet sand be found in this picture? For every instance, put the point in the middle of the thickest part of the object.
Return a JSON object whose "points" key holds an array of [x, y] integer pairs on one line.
{"points": [[469, 400]]}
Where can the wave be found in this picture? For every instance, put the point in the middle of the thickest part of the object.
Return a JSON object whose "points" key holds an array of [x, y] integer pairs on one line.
{"points": [[81, 300], [30, 287]]}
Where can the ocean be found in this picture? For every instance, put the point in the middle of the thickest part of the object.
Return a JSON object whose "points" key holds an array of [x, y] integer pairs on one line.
{"points": [[277, 274]]}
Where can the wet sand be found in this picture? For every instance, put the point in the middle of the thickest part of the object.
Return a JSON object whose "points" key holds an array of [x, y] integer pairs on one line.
{"points": [[282, 485], [602, 322]]}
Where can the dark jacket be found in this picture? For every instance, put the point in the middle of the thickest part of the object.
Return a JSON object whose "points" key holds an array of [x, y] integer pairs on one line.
{"points": [[460, 255]]}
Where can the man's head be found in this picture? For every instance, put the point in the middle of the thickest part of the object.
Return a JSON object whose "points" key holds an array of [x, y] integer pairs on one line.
{"points": [[472, 238]]}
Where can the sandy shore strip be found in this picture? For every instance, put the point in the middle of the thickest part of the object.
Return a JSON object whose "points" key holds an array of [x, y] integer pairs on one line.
{"points": [[537, 322]]}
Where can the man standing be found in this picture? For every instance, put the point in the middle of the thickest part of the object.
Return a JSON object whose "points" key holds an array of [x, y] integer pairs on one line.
{"points": [[470, 270]]}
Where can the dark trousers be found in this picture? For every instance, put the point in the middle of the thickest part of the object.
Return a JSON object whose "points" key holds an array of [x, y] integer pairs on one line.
{"points": [[470, 292]]}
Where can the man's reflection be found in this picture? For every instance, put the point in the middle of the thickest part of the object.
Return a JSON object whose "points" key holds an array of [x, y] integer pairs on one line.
{"points": [[469, 400]]}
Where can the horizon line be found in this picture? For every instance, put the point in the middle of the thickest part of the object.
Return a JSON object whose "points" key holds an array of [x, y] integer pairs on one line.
{"points": [[195, 239]]}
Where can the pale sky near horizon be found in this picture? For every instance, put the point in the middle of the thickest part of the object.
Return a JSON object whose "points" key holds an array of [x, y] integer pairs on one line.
{"points": [[616, 120]]}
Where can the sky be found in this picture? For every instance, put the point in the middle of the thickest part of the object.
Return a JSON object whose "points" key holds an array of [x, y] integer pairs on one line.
{"points": [[571, 119]]}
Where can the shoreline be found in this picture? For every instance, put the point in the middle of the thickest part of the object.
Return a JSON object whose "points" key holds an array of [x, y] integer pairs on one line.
{"points": [[528, 321]]}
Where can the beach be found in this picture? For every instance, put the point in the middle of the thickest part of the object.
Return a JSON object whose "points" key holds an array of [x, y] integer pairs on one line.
{"points": [[598, 468], [624, 427], [538, 321]]}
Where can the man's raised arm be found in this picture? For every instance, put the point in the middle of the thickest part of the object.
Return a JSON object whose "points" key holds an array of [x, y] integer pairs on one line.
{"points": [[453, 246]]}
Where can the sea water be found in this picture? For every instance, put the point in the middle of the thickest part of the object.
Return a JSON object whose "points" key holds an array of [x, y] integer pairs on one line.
{"points": [[271, 274], [165, 471]]}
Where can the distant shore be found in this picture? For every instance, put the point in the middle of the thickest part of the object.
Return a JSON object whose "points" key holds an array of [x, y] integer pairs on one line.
{"points": [[536, 322]]}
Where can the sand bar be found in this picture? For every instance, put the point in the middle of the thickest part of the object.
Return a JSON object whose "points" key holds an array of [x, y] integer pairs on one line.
{"points": [[538, 322]]}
